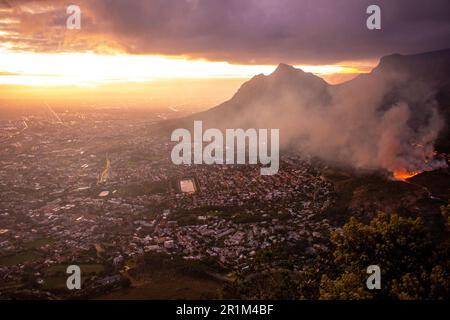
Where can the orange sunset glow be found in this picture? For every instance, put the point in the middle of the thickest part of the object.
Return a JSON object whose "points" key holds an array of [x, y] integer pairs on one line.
{"points": [[42, 60], [71, 77], [75, 68]]}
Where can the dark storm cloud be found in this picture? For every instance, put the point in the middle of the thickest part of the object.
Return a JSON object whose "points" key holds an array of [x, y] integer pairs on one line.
{"points": [[265, 31], [269, 31]]}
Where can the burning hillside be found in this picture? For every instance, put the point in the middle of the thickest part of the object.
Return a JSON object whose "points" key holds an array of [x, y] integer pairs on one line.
{"points": [[404, 175], [390, 119]]}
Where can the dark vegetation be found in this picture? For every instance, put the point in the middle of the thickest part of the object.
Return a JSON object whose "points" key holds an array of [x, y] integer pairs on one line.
{"points": [[413, 266]]}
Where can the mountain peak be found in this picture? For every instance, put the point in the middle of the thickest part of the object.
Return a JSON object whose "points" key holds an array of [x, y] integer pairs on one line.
{"points": [[284, 68]]}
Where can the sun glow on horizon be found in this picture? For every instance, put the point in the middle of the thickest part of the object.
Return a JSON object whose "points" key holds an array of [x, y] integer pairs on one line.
{"points": [[90, 69]]}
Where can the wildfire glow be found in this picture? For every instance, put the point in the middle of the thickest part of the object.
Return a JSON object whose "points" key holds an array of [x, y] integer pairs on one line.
{"points": [[404, 174]]}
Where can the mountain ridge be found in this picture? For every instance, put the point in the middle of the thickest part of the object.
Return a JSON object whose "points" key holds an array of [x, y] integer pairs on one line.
{"points": [[371, 120]]}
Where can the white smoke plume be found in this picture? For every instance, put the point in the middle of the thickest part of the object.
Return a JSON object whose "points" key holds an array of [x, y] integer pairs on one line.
{"points": [[351, 124]]}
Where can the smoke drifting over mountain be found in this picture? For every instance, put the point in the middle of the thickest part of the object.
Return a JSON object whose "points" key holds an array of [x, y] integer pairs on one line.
{"points": [[362, 136], [388, 119]]}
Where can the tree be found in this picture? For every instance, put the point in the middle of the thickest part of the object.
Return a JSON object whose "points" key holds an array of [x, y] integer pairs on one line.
{"points": [[412, 265], [401, 247]]}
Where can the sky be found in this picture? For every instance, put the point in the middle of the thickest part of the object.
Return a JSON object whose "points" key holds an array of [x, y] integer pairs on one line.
{"points": [[153, 41]]}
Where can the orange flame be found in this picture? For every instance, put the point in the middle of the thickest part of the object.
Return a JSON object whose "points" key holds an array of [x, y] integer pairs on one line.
{"points": [[404, 174]]}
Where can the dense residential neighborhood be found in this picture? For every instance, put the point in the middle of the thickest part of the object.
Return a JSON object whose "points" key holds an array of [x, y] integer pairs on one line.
{"points": [[88, 194]]}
